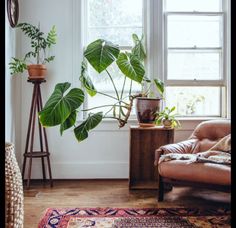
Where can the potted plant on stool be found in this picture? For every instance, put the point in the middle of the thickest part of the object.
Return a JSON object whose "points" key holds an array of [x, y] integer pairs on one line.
{"points": [[100, 54], [40, 44], [147, 105], [167, 118]]}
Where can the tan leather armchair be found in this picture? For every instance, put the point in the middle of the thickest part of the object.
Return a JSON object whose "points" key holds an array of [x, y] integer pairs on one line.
{"points": [[181, 172]]}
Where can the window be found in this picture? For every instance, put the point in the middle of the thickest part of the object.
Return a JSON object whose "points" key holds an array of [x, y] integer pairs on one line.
{"points": [[115, 21], [194, 56], [187, 47]]}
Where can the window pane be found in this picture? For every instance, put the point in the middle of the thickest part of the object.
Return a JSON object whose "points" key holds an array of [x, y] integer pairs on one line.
{"points": [[194, 101], [193, 65], [119, 35], [102, 81], [112, 17], [193, 5], [116, 21], [104, 85], [194, 31]]}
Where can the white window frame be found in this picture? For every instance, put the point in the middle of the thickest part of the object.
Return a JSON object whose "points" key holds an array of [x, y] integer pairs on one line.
{"points": [[222, 82], [154, 29], [86, 26], [85, 43], [193, 82]]}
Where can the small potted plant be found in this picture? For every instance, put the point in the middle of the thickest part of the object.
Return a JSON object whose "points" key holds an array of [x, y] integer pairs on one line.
{"points": [[167, 118], [34, 61]]}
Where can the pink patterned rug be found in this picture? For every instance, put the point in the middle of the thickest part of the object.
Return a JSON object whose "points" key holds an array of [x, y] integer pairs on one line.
{"points": [[135, 217]]}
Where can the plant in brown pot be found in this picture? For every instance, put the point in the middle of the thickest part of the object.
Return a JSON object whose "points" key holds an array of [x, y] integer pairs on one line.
{"points": [[63, 105], [149, 105], [34, 61]]}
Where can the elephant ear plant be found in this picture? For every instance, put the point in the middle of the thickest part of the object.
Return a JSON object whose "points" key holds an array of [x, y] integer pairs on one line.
{"points": [[62, 108]]}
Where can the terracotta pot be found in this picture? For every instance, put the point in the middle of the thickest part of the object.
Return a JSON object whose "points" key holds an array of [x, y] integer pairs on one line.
{"points": [[37, 71], [146, 109]]}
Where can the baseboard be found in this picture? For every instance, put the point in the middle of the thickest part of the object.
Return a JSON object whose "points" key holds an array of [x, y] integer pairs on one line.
{"points": [[85, 170]]}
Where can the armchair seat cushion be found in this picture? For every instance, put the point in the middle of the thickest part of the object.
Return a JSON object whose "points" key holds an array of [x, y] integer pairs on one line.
{"points": [[209, 173]]}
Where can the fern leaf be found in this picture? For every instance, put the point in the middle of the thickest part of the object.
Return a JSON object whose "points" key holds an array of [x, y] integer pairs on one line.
{"points": [[17, 66], [52, 35], [49, 59]]}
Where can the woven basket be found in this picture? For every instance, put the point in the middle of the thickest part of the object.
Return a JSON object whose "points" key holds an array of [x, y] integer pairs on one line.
{"points": [[14, 207]]}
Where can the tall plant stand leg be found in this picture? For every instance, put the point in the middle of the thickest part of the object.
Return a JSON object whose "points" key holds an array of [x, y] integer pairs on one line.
{"points": [[30, 153]]}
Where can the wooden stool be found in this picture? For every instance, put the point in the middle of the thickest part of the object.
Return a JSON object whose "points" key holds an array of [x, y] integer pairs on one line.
{"points": [[36, 104]]}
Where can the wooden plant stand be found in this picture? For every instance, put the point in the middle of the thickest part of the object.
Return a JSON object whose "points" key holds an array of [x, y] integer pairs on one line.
{"points": [[143, 143], [36, 106]]}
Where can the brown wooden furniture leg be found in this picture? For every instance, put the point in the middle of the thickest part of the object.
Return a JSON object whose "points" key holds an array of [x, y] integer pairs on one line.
{"points": [[36, 106], [32, 135], [46, 145], [160, 189]]}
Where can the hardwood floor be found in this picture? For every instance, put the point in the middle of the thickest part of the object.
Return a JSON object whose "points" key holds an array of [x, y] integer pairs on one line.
{"points": [[109, 193]]}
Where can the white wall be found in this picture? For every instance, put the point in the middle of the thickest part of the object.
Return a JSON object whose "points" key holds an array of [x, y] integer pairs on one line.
{"points": [[12, 93], [105, 153]]}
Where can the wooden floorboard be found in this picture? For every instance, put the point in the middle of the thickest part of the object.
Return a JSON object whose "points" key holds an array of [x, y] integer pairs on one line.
{"points": [[109, 193]]}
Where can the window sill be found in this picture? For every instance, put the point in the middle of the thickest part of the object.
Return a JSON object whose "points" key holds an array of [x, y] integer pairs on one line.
{"points": [[202, 118], [179, 118], [187, 124]]}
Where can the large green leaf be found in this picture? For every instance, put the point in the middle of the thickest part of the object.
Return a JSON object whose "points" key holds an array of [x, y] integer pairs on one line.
{"points": [[69, 122], [81, 132], [139, 49], [101, 54], [86, 80], [59, 107], [131, 67], [160, 86]]}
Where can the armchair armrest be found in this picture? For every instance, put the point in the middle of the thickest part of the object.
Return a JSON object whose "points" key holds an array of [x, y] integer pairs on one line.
{"points": [[184, 147], [158, 154]]}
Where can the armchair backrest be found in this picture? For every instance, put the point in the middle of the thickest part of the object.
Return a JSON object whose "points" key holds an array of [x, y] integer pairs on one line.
{"points": [[209, 132]]}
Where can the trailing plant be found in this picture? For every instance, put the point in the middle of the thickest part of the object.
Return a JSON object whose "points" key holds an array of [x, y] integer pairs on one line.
{"points": [[40, 45], [168, 114], [61, 108]]}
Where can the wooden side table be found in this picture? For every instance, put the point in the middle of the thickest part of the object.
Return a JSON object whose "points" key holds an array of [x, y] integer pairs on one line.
{"points": [[143, 143], [30, 153]]}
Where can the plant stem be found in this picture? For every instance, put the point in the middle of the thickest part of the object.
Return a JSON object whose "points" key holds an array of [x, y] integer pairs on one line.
{"points": [[108, 110], [116, 106], [107, 95], [124, 121], [113, 84], [38, 46], [147, 91], [123, 87], [130, 88], [102, 106], [44, 53], [121, 95]]}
